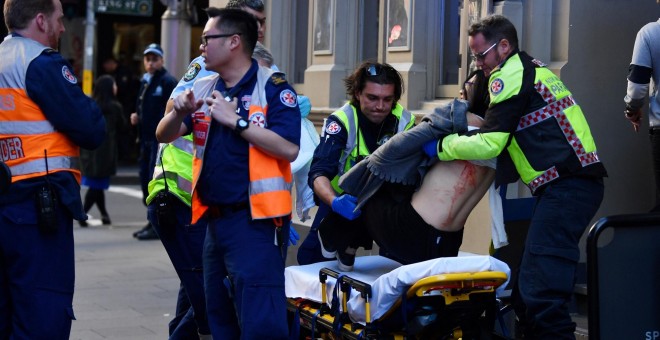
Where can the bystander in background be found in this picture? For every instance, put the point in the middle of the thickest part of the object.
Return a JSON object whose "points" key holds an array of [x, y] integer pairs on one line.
{"points": [[155, 88], [99, 164], [127, 90], [645, 65]]}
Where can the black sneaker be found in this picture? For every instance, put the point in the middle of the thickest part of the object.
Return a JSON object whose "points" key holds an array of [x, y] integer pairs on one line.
{"points": [[346, 259], [328, 251]]}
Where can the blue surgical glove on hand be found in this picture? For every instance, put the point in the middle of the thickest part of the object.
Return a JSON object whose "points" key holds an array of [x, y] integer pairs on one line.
{"points": [[293, 235], [431, 148], [344, 205]]}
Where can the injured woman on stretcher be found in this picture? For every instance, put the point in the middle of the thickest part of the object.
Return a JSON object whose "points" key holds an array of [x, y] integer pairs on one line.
{"points": [[413, 207]]}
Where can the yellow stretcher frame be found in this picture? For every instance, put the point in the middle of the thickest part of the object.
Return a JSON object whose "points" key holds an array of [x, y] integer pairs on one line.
{"points": [[454, 289]]}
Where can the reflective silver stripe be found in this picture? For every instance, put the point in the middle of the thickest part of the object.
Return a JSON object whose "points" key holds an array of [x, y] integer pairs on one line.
{"points": [[547, 176], [351, 139], [181, 182], [26, 128], [39, 165], [269, 185], [406, 116], [183, 144], [199, 151]]}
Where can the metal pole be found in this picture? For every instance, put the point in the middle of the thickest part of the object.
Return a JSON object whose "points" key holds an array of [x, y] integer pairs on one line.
{"points": [[175, 37], [88, 60]]}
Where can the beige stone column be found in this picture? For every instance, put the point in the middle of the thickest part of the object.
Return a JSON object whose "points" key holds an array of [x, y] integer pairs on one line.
{"points": [[332, 50], [416, 55], [175, 38]]}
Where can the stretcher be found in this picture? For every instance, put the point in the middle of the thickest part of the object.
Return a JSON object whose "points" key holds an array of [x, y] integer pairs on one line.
{"points": [[444, 298]]}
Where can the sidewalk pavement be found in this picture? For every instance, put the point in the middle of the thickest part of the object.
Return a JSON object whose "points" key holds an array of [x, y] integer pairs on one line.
{"points": [[125, 289]]}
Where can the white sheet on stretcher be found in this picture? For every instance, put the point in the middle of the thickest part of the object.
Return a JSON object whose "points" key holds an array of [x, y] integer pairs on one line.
{"points": [[388, 279]]}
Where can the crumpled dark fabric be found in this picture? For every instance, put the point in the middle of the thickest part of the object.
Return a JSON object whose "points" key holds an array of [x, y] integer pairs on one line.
{"points": [[401, 159]]}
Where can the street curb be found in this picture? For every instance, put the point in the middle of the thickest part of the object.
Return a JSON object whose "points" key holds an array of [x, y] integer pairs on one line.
{"points": [[126, 175]]}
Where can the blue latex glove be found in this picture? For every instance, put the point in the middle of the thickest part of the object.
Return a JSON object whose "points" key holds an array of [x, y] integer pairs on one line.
{"points": [[344, 205], [431, 148], [293, 235]]}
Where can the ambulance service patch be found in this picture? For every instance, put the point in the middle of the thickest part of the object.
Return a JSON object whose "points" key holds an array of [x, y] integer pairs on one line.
{"points": [[68, 75], [192, 72], [496, 86], [333, 128], [288, 98], [258, 119]]}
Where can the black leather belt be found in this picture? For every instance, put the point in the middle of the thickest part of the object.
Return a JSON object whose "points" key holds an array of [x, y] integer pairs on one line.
{"points": [[217, 211]]}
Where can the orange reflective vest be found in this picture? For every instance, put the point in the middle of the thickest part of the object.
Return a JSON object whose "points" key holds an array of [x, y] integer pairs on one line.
{"points": [[270, 178], [29, 144]]}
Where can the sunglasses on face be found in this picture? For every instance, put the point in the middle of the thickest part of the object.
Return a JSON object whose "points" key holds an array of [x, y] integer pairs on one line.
{"points": [[481, 56]]}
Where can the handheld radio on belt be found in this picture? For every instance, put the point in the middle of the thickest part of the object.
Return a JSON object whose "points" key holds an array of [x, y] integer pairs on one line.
{"points": [[46, 201], [164, 207]]}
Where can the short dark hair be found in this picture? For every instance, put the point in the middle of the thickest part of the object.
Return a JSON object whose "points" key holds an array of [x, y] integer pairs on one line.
{"points": [[495, 28], [233, 20], [371, 71], [18, 13], [103, 89], [256, 5]]}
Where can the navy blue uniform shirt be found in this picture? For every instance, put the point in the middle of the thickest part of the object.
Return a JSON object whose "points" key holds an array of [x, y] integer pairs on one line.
{"points": [[151, 102], [72, 113], [225, 177]]}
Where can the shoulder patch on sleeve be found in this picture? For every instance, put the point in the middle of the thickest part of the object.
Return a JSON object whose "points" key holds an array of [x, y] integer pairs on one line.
{"points": [[68, 75], [192, 72], [277, 78], [332, 128], [288, 98], [496, 86]]}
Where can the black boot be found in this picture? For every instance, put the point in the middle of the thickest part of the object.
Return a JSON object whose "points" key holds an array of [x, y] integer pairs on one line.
{"points": [[145, 228], [149, 234]]}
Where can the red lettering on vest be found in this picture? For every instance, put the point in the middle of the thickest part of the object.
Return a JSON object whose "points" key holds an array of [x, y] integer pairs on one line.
{"points": [[11, 148], [200, 128]]}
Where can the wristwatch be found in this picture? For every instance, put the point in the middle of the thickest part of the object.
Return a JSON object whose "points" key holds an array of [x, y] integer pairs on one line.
{"points": [[241, 125]]}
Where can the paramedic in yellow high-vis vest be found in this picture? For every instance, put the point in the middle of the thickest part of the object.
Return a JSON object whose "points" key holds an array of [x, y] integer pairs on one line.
{"points": [[534, 123], [351, 133]]}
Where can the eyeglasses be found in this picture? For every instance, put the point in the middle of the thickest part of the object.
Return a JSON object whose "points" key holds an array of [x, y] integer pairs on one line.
{"points": [[481, 56], [204, 40]]}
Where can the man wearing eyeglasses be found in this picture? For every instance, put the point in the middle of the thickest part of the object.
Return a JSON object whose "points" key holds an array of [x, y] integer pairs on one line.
{"points": [[533, 118], [351, 133], [246, 129]]}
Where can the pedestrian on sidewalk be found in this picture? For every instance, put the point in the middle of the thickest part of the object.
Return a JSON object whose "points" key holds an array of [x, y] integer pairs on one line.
{"points": [[98, 165]]}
